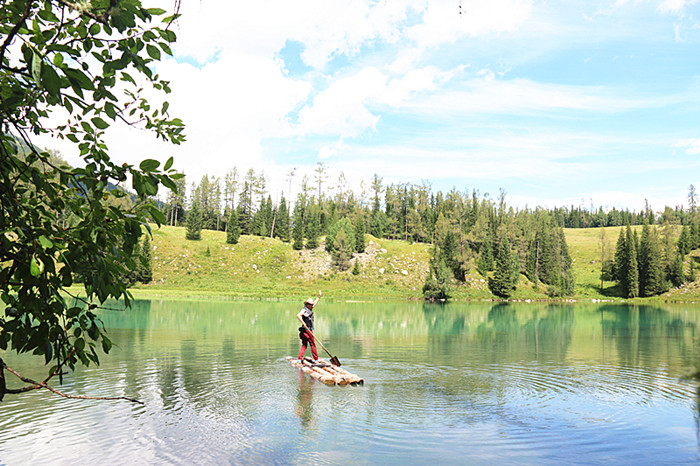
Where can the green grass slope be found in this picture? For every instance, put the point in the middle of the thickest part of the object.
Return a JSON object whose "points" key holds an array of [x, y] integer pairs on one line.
{"points": [[268, 268]]}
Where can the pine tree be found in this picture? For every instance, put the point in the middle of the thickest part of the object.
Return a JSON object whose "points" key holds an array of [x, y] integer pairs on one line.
{"points": [[532, 264], [621, 262], [378, 224], [313, 232], [655, 281], [282, 221], [245, 208], [194, 223], [298, 231], [360, 235], [632, 290], [505, 277], [268, 216], [342, 250], [436, 286], [233, 230], [643, 259], [675, 272], [343, 224], [356, 267], [485, 263], [684, 241], [449, 254]]}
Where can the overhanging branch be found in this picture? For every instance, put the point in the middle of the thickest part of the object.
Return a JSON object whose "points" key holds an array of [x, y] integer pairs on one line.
{"points": [[34, 385]]}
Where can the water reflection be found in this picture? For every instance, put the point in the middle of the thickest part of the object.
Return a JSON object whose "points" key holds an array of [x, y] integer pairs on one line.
{"points": [[303, 407], [537, 383]]}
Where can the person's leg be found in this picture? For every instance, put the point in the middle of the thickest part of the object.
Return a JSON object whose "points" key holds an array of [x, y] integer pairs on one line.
{"points": [[313, 348], [303, 348]]}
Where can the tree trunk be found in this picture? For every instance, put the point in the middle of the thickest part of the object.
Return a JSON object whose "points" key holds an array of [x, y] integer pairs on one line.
{"points": [[272, 229]]}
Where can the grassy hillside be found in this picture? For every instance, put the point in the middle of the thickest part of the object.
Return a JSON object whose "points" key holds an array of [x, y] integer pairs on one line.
{"points": [[268, 268], [264, 267]]}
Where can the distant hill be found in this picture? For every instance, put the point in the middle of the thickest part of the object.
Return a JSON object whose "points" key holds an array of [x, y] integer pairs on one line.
{"points": [[389, 269]]}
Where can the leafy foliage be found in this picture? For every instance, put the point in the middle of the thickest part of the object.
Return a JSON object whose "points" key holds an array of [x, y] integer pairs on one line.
{"points": [[66, 60]]}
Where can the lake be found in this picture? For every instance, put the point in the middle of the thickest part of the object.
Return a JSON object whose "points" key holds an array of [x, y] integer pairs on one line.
{"points": [[448, 384]]}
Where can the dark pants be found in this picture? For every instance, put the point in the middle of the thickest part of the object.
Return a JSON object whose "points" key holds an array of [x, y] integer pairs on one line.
{"points": [[307, 339]]}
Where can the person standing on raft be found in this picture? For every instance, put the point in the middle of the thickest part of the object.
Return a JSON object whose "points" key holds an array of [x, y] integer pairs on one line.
{"points": [[306, 317]]}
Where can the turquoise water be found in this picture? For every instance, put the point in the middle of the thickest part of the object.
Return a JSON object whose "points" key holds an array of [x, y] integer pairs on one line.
{"points": [[455, 384]]}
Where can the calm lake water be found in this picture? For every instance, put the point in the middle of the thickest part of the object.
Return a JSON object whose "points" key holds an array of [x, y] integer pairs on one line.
{"points": [[474, 384]]}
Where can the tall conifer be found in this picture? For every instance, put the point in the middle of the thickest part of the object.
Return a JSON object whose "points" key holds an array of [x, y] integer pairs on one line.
{"points": [[505, 277], [632, 290], [282, 221], [312, 232], [194, 223], [298, 230], [360, 235], [233, 231]]}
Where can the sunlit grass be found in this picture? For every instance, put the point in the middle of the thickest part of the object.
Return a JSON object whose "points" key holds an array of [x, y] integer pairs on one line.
{"points": [[267, 268]]}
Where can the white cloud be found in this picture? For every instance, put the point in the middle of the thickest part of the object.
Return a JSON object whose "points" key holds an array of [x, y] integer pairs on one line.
{"points": [[523, 96], [691, 145], [340, 109], [442, 22], [674, 6]]}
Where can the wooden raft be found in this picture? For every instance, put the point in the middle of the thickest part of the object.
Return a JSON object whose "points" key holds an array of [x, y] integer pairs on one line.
{"points": [[326, 372]]}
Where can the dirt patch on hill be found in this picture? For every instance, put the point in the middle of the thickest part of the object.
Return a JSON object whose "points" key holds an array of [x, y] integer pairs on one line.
{"points": [[312, 263]]}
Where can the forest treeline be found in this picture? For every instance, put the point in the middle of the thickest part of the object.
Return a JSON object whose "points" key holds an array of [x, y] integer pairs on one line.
{"points": [[468, 231]]}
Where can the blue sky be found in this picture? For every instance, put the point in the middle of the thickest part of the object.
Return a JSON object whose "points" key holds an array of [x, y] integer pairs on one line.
{"points": [[557, 103]]}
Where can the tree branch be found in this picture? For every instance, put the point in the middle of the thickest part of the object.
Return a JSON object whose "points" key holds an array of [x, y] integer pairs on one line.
{"points": [[15, 28], [83, 11], [36, 385]]}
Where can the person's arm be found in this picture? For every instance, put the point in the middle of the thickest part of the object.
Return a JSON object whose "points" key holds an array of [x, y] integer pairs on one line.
{"points": [[317, 299], [299, 316]]}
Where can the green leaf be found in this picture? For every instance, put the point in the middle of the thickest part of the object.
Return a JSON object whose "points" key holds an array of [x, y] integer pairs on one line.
{"points": [[168, 164], [99, 123], [79, 80], [127, 77], [45, 242], [150, 188], [149, 165], [36, 267], [36, 68], [153, 51], [111, 110], [157, 215], [51, 81], [169, 183], [48, 351], [106, 344], [155, 11]]}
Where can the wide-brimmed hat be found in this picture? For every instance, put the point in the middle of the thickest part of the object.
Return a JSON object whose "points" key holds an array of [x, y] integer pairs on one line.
{"points": [[309, 301]]}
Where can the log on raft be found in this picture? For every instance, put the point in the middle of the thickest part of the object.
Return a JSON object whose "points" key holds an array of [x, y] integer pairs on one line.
{"points": [[326, 372]]}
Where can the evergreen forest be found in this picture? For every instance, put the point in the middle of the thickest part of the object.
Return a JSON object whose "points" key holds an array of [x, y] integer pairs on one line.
{"points": [[467, 230]]}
